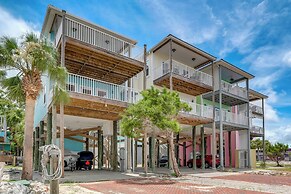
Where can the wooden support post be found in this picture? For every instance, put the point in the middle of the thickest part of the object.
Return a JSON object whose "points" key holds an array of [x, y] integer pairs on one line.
{"points": [[194, 146], [42, 142], [100, 153], [158, 153], [49, 129], [264, 146], [221, 152], [213, 139], [184, 154], [153, 153], [54, 184], [94, 151], [114, 147], [36, 150], [202, 148], [177, 149], [135, 153], [229, 149], [102, 146], [62, 136], [142, 155], [87, 143], [150, 153]]}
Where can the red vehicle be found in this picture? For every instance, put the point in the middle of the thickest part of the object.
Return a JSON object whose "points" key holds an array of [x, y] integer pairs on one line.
{"points": [[208, 162]]}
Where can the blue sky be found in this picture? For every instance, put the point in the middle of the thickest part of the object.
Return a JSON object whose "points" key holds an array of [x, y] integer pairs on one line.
{"points": [[254, 35]]}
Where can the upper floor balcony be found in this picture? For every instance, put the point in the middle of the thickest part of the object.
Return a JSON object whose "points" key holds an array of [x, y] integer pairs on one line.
{"points": [[256, 109], [230, 118], [234, 89], [185, 79], [98, 99], [95, 52], [200, 114], [95, 37], [257, 131]]}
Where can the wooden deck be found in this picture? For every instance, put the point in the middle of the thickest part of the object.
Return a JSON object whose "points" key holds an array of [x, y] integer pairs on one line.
{"points": [[183, 85], [94, 62], [189, 119], [83, 105]]}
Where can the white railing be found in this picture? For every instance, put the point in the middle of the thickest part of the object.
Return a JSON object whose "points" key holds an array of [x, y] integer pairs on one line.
{"points": [[200, 110], [257, 129], [102, 40], [89, 86], [234, 89], [230, 117], [256, 109], [184, 71]]}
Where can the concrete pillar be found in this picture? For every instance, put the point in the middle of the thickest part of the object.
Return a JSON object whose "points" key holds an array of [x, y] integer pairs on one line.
{"points": [[194, 146], [153, 153], [220, 123]]}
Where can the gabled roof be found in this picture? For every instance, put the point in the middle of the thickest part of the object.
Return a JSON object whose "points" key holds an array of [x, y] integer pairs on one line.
{"points": [[254, 95], [53, 11], [234, 68], [182, 43]]}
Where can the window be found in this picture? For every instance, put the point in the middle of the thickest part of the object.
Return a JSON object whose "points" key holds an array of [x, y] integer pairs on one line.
{"points": [[147, 70]]}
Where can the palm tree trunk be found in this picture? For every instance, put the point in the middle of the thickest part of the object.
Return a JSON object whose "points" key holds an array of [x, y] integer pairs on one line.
{"points": [[27, 172], [172, 155]]}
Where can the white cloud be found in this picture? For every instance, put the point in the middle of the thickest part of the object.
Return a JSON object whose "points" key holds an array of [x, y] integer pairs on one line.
{"points": [[12, 26], [187, 26], [274, 135]]}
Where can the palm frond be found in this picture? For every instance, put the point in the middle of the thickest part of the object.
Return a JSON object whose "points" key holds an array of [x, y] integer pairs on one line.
{"points": [[13, 86], [60, 96], [30, 37]]}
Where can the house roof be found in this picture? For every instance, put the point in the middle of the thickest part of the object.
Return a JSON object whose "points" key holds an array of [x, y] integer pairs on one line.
{"points": [[234, 68], [254, 95], [53, 11], [182, 43]]}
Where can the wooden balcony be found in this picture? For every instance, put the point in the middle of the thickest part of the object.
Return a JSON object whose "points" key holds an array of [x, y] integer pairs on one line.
{"points": [[97, 99], [99, 55], [185, 79], [199, 115]]}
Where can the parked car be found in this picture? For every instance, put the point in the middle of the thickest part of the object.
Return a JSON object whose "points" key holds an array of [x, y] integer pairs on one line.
{"points": [[208, 162], [163, 162], [85, 160]]}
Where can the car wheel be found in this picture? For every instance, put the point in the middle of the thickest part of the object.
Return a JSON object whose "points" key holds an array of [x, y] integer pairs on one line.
{"points": [[190, 165], [207, 165], [90, 167], [65, 163]]}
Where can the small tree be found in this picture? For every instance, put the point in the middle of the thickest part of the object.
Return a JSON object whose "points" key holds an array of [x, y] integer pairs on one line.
{"points": [[31, 57], [157, 109], [276, 152]]}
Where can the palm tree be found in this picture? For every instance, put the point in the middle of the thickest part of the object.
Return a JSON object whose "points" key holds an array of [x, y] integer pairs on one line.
{"points": [[31, 57]]}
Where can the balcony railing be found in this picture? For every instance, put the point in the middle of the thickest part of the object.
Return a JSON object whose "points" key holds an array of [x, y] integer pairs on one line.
{"points": [[230, 117], [99, 39], [257, 130], [89, 86], [200, 110], [184, 71], [256, 109], [234, 89]]}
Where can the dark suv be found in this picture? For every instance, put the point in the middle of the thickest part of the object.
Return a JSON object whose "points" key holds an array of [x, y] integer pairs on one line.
{"points": [[208, 162], [85, 160]]}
